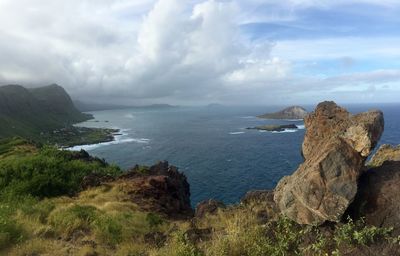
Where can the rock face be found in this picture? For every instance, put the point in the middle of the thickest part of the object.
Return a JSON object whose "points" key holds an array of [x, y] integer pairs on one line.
{"points": [[329, 121], [293, 112], [335, 147], [160, 188], [378, 198]]}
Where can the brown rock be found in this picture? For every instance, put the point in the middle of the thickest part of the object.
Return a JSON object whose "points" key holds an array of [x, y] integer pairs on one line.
{"points": [[161, 189], [322, 187], [335, 146], [378, 198], [328, 121], [210, 206]]}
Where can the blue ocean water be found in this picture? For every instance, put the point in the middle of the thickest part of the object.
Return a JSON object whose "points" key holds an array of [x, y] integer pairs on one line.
{"points": [[221, 158]]}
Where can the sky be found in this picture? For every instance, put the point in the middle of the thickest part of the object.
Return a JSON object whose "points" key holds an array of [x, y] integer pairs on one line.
{"points": [[193, 52]]}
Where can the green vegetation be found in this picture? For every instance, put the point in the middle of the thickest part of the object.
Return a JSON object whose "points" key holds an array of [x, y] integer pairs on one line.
{"points": [[48, 172]]}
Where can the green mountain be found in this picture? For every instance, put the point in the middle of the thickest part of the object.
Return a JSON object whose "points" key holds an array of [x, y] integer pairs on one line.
{"points": [[31, 112]]}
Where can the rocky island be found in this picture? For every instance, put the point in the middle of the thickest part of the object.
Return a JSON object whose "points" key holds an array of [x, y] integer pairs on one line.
{"points": [[333, 204], [274, 127], [293, 112]]}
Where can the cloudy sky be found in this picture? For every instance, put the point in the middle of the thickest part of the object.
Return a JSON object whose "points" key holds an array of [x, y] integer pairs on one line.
{"points": [[207, 51]]}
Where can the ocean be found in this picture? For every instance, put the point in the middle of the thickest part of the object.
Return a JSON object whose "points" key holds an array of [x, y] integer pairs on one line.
{"points": [[211, 145]]}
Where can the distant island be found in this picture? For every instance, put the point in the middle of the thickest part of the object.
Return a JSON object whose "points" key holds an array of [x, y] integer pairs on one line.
{"points": [[47, 115], [89, 106], [293, 112], [274, 127]]}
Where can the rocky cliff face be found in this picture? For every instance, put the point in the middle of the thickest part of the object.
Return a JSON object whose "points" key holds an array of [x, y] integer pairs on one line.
{"points": [[335, 147]]}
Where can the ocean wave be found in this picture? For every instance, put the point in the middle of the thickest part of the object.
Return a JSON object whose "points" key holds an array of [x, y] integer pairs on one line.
{"points": [[121, 138], [247, 117], [286, 130], [235, 133], [130, 116], [300, 126]]}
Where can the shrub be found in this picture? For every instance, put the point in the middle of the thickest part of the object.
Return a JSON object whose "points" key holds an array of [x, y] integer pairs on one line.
{"points": [[358, 233], [48, 173]]}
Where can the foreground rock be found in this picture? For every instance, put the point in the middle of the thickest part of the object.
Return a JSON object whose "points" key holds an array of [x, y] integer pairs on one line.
{"points": [[293, 112], [378, 199], [274, 127], [160, 188], [335, 147], [329, 121]]}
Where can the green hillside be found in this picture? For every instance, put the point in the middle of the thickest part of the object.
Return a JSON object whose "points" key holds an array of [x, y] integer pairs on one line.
{"points": [[44, 114]]}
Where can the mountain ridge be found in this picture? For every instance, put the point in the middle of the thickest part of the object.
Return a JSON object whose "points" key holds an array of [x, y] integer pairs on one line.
{"points": [[30, 112]]}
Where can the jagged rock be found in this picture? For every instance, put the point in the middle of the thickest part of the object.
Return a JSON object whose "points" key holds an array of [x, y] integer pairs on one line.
{"points": [[208, 207], [335, 147], [329, 121], [161, 189], [378, 198]]}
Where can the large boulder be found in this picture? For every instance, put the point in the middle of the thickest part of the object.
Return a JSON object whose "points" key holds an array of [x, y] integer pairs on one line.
{"points": [[378, 197], [335, 147], [330, 121]]}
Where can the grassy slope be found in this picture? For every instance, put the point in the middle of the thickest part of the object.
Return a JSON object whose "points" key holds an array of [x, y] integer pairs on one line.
{"points": [[37, 217]]}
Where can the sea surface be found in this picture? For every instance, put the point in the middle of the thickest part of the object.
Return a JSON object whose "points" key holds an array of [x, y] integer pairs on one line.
{"points": [[211, 145]]}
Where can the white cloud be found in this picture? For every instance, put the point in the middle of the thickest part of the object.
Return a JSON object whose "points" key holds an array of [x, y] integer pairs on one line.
{"points": [[147, 51]]}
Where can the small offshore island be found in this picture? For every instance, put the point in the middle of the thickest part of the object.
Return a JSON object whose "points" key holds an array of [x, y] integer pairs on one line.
{"points": [[274, 127]]}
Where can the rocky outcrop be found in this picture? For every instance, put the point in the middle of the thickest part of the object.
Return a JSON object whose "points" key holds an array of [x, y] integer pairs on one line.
{"points": [[293, 112], [378, 198], [208, 207], [329, 121], [335, 147], [160, 188]]}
